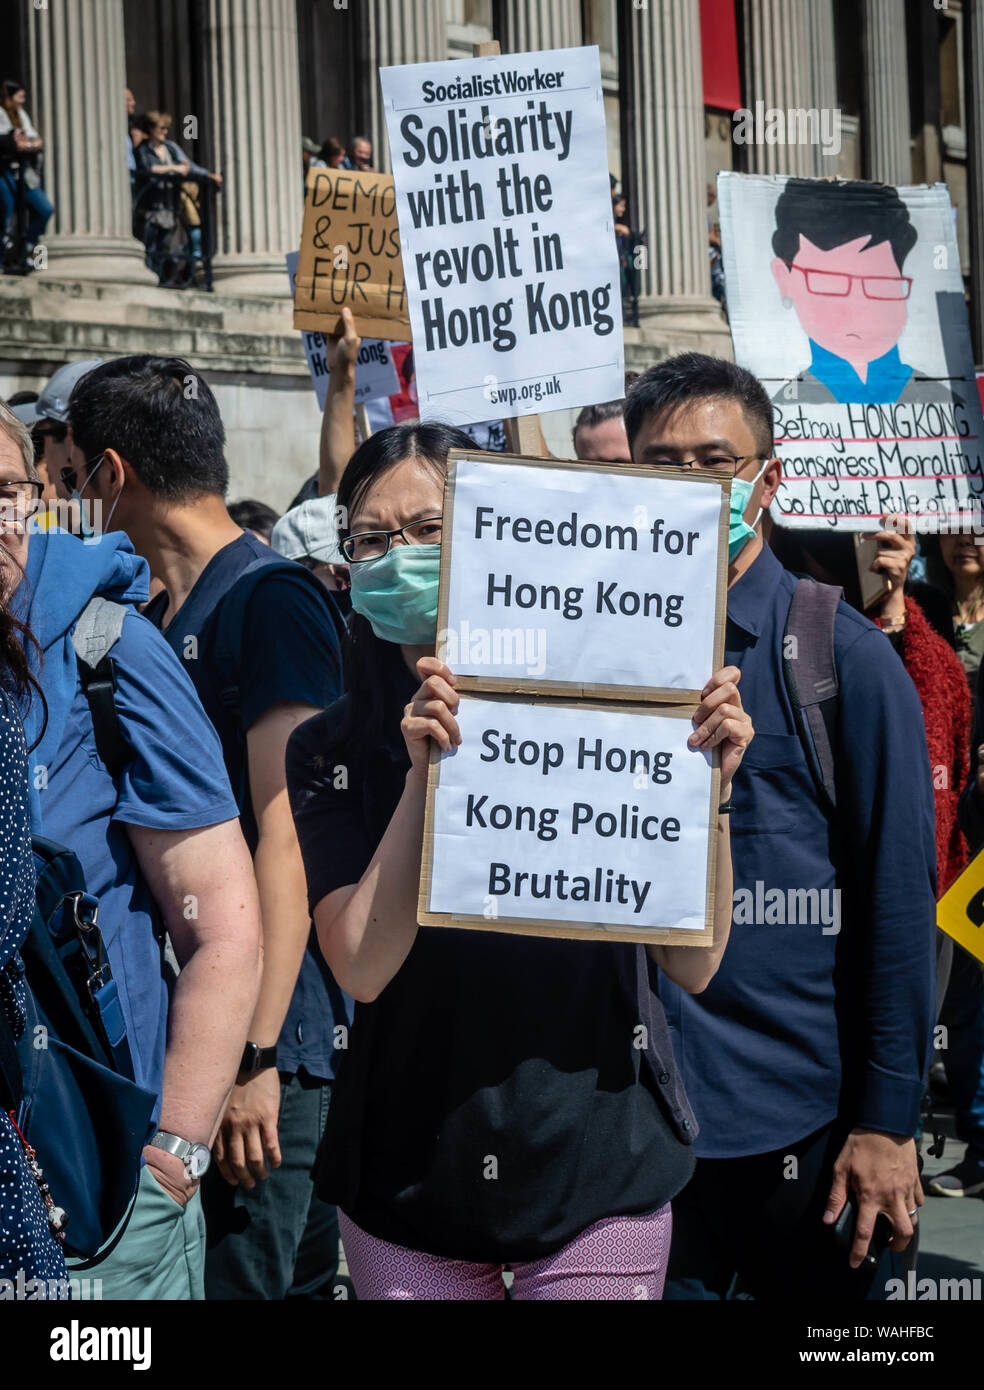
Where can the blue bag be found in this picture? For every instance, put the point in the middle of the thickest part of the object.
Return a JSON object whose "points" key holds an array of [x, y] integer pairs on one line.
{"points": [[82, 1111]]}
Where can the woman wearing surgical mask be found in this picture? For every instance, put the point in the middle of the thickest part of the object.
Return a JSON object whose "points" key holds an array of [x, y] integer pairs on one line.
{"points": [[504, 1100]]}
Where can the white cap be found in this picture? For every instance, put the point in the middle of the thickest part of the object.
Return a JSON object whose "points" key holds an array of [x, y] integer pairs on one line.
{"points": [[310, 529], [52, 404]]}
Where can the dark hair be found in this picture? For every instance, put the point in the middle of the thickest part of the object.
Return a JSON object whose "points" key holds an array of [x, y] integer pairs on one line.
{"points": [[598, 414], [15, 671], [830, 214], [693, 376], [143, 407], [608, 410], [369, 662], [16, 676], [331, 149], [937, 572], [254, 516]]}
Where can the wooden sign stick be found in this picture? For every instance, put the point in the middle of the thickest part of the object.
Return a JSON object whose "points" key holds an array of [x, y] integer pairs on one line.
{"points": [[523, 432]]}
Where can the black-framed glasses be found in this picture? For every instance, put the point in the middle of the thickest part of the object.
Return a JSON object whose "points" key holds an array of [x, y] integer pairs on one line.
{"points": [[70, 475], [20, 499], [373, 545], [714, 463]]}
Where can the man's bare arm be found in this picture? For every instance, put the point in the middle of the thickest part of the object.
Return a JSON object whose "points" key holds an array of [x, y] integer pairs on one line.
{"points": [[202, 881], [337, 424]]}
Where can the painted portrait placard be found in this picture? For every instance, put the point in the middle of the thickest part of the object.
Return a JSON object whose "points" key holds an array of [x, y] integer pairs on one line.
{"points": [[846, 299]]}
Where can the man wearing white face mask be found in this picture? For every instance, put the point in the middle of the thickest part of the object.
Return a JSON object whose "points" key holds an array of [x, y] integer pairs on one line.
{"points": [[805, 1057]]}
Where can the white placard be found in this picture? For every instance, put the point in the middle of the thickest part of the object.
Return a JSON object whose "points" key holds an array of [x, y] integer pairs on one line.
{"points": [[375, 374], [597, 578], [509, 256], [847, 302], [546, 814]]}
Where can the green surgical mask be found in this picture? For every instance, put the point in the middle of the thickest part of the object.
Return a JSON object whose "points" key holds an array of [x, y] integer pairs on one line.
{"points": [[398, 594], [739, 531]]}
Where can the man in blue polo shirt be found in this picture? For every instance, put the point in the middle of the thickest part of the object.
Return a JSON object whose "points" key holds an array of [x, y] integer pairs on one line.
{"points": [[805, 1057], [161, 847], [259, 638]]}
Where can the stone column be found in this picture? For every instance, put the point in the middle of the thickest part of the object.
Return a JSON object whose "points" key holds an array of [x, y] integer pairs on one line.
{"points": [[663, 156], [823, 73], [887, 144], [974, 106], [522, 27], [395, 32], [255, 112], [76, 77], [779, 73]]}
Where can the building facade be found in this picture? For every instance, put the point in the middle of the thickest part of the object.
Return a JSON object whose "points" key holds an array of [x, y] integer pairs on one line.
{"points": [[246, 79]]}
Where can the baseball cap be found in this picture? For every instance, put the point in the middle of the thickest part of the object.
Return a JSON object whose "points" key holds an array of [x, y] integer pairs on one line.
{"points": [[309, 145], [52, 404], [309, 530]]}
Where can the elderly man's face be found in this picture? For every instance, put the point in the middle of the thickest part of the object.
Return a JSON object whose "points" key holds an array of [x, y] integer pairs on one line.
{"points": [[361, 154]]}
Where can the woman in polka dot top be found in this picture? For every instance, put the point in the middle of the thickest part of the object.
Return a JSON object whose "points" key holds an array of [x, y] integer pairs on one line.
{"points": [[31, 1261]]}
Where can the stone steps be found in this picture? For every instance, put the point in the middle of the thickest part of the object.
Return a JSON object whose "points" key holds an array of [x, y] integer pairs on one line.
{"points": [[43, 319]]}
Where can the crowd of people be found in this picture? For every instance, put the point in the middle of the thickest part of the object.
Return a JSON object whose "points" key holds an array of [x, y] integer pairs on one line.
{"points": [[333, 154], [247, 803]]}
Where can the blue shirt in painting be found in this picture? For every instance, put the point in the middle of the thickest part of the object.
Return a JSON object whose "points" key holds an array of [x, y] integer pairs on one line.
{"points": [[175, 780], [887, 378], [805, 1022]]}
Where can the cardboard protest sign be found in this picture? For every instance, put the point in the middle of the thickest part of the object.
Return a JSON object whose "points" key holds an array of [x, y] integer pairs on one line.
{"points": [[563, 819], [960, 911], [501, 169], [375, 374], [847, 301], [350, 256], [578, 578]]}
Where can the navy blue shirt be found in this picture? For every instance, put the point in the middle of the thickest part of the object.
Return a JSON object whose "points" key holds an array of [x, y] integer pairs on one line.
{"points": [[805, 1022], [289, 653]]}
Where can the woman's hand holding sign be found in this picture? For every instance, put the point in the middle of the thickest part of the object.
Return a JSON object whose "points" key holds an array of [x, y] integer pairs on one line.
{"points": [[430, 715]]}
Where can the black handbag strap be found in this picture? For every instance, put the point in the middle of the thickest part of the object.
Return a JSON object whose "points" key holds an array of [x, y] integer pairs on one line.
{"points": [[11, 1080]]}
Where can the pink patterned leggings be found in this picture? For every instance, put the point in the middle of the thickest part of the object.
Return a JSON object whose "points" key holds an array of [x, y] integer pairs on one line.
{"points": [[622, 1257]]}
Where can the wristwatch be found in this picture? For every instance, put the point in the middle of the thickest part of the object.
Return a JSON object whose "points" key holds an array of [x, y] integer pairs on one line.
{"points": [[195, 1157], [256, 1058]]}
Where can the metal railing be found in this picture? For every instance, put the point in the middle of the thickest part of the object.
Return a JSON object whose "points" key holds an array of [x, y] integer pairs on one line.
{"points": [[164, 213]]}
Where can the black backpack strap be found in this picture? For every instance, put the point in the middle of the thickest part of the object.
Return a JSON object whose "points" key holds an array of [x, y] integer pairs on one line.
{"points": [[11, 1083], [96, 633], [810, 674]]}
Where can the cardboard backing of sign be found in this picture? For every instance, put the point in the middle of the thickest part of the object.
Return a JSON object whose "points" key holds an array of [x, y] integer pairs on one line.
{"points": [[350, 256], [536, 685], [596, 931], [960, 911]]}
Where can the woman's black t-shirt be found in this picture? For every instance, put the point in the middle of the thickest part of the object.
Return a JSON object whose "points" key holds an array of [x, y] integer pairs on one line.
{"points": [[502, 1093]]}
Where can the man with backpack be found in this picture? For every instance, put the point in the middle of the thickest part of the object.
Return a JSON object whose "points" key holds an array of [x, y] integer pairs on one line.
{"points": [[127, 772], [805, 1058], [260, 638]]}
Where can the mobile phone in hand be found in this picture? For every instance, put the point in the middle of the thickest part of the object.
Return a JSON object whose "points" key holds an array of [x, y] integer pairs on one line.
{"points": [[846, 1224]]}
